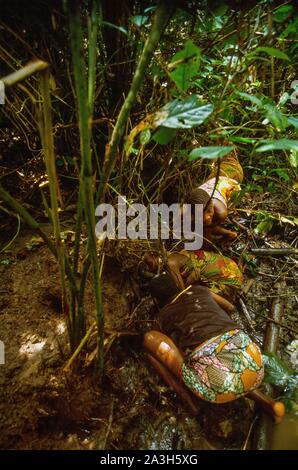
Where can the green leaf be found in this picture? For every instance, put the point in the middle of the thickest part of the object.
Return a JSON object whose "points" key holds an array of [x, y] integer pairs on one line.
{"points": [[264, 227], [186, 64], [276, 117], [139, 20], [281, 144], [149, 9], [245, 140], [293, 121], [281, 172], [282, 13], [273, 52], [209, 152], [145, 136], [292, 221], [5, 262], [114, 26], [276, 371], [251, 98], [291, 29], [164, 135], [293, 159], [185, 114], [265, 224], [271, 187], [250, 263], [221, 10]]}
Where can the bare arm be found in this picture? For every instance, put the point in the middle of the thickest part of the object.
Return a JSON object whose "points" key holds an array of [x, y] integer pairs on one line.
{"points": [[218, 230], [176, 262], [223, 303]]}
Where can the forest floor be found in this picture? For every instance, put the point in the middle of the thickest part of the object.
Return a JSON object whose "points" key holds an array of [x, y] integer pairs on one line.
{"points": [[42, 407]]}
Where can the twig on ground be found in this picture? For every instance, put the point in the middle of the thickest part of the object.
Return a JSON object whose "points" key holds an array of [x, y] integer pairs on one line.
{"points": [[246, 313], [274, 251]]}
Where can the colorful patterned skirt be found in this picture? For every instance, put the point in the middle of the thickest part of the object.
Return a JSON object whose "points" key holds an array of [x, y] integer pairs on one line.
{"points": [[229, 167], [224, 368], [220, 273]]}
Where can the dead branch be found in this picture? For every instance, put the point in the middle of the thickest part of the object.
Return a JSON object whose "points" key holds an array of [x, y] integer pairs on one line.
{"points": [[274, 251]]}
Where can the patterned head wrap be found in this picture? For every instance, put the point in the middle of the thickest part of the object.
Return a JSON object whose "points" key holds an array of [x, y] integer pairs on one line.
{"points": [[224, 368]]}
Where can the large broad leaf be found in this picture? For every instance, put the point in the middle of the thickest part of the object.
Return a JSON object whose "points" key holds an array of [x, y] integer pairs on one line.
{"points": [[186, 65], [273, 114], [276, 117], [251, 98], [291, 29], [183, 114], [280, 374], [272, 52], [282, 144], [139, 20], [209, 152], [164, 135], [282, 13]]}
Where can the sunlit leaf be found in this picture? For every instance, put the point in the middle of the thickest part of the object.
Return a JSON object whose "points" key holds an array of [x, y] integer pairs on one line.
{"points": [[149, 9], [114, 26], [293, 121], [186, 65], [185, 114], [209, 152], [286, 220], [293, 159], [245, 140], [281, 375], [164, 135], [5, 262], [251, 98], [139, 20], [265, 224], [283, 99], [273, 52], [276, 117], [281, 144], [145, 136]]}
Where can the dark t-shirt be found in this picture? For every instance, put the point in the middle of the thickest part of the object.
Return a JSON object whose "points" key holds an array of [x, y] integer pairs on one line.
{"points": [[194, 318]]}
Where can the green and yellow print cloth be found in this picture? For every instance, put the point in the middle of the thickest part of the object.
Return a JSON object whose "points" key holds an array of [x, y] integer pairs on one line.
{"points": [[229, 168], [218, 272], [224, 368]]}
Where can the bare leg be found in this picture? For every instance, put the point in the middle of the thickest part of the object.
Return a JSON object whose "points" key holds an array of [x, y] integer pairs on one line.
{"points": [[164, 350], [172, 382], [276, 409]]}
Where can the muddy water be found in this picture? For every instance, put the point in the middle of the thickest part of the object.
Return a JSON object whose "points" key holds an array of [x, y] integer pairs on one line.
{"points": [[285, 434], [151, 416]]}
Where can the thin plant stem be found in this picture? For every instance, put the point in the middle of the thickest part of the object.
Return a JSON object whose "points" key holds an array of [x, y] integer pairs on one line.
{"points": [[163, 14], [84, 118]]}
